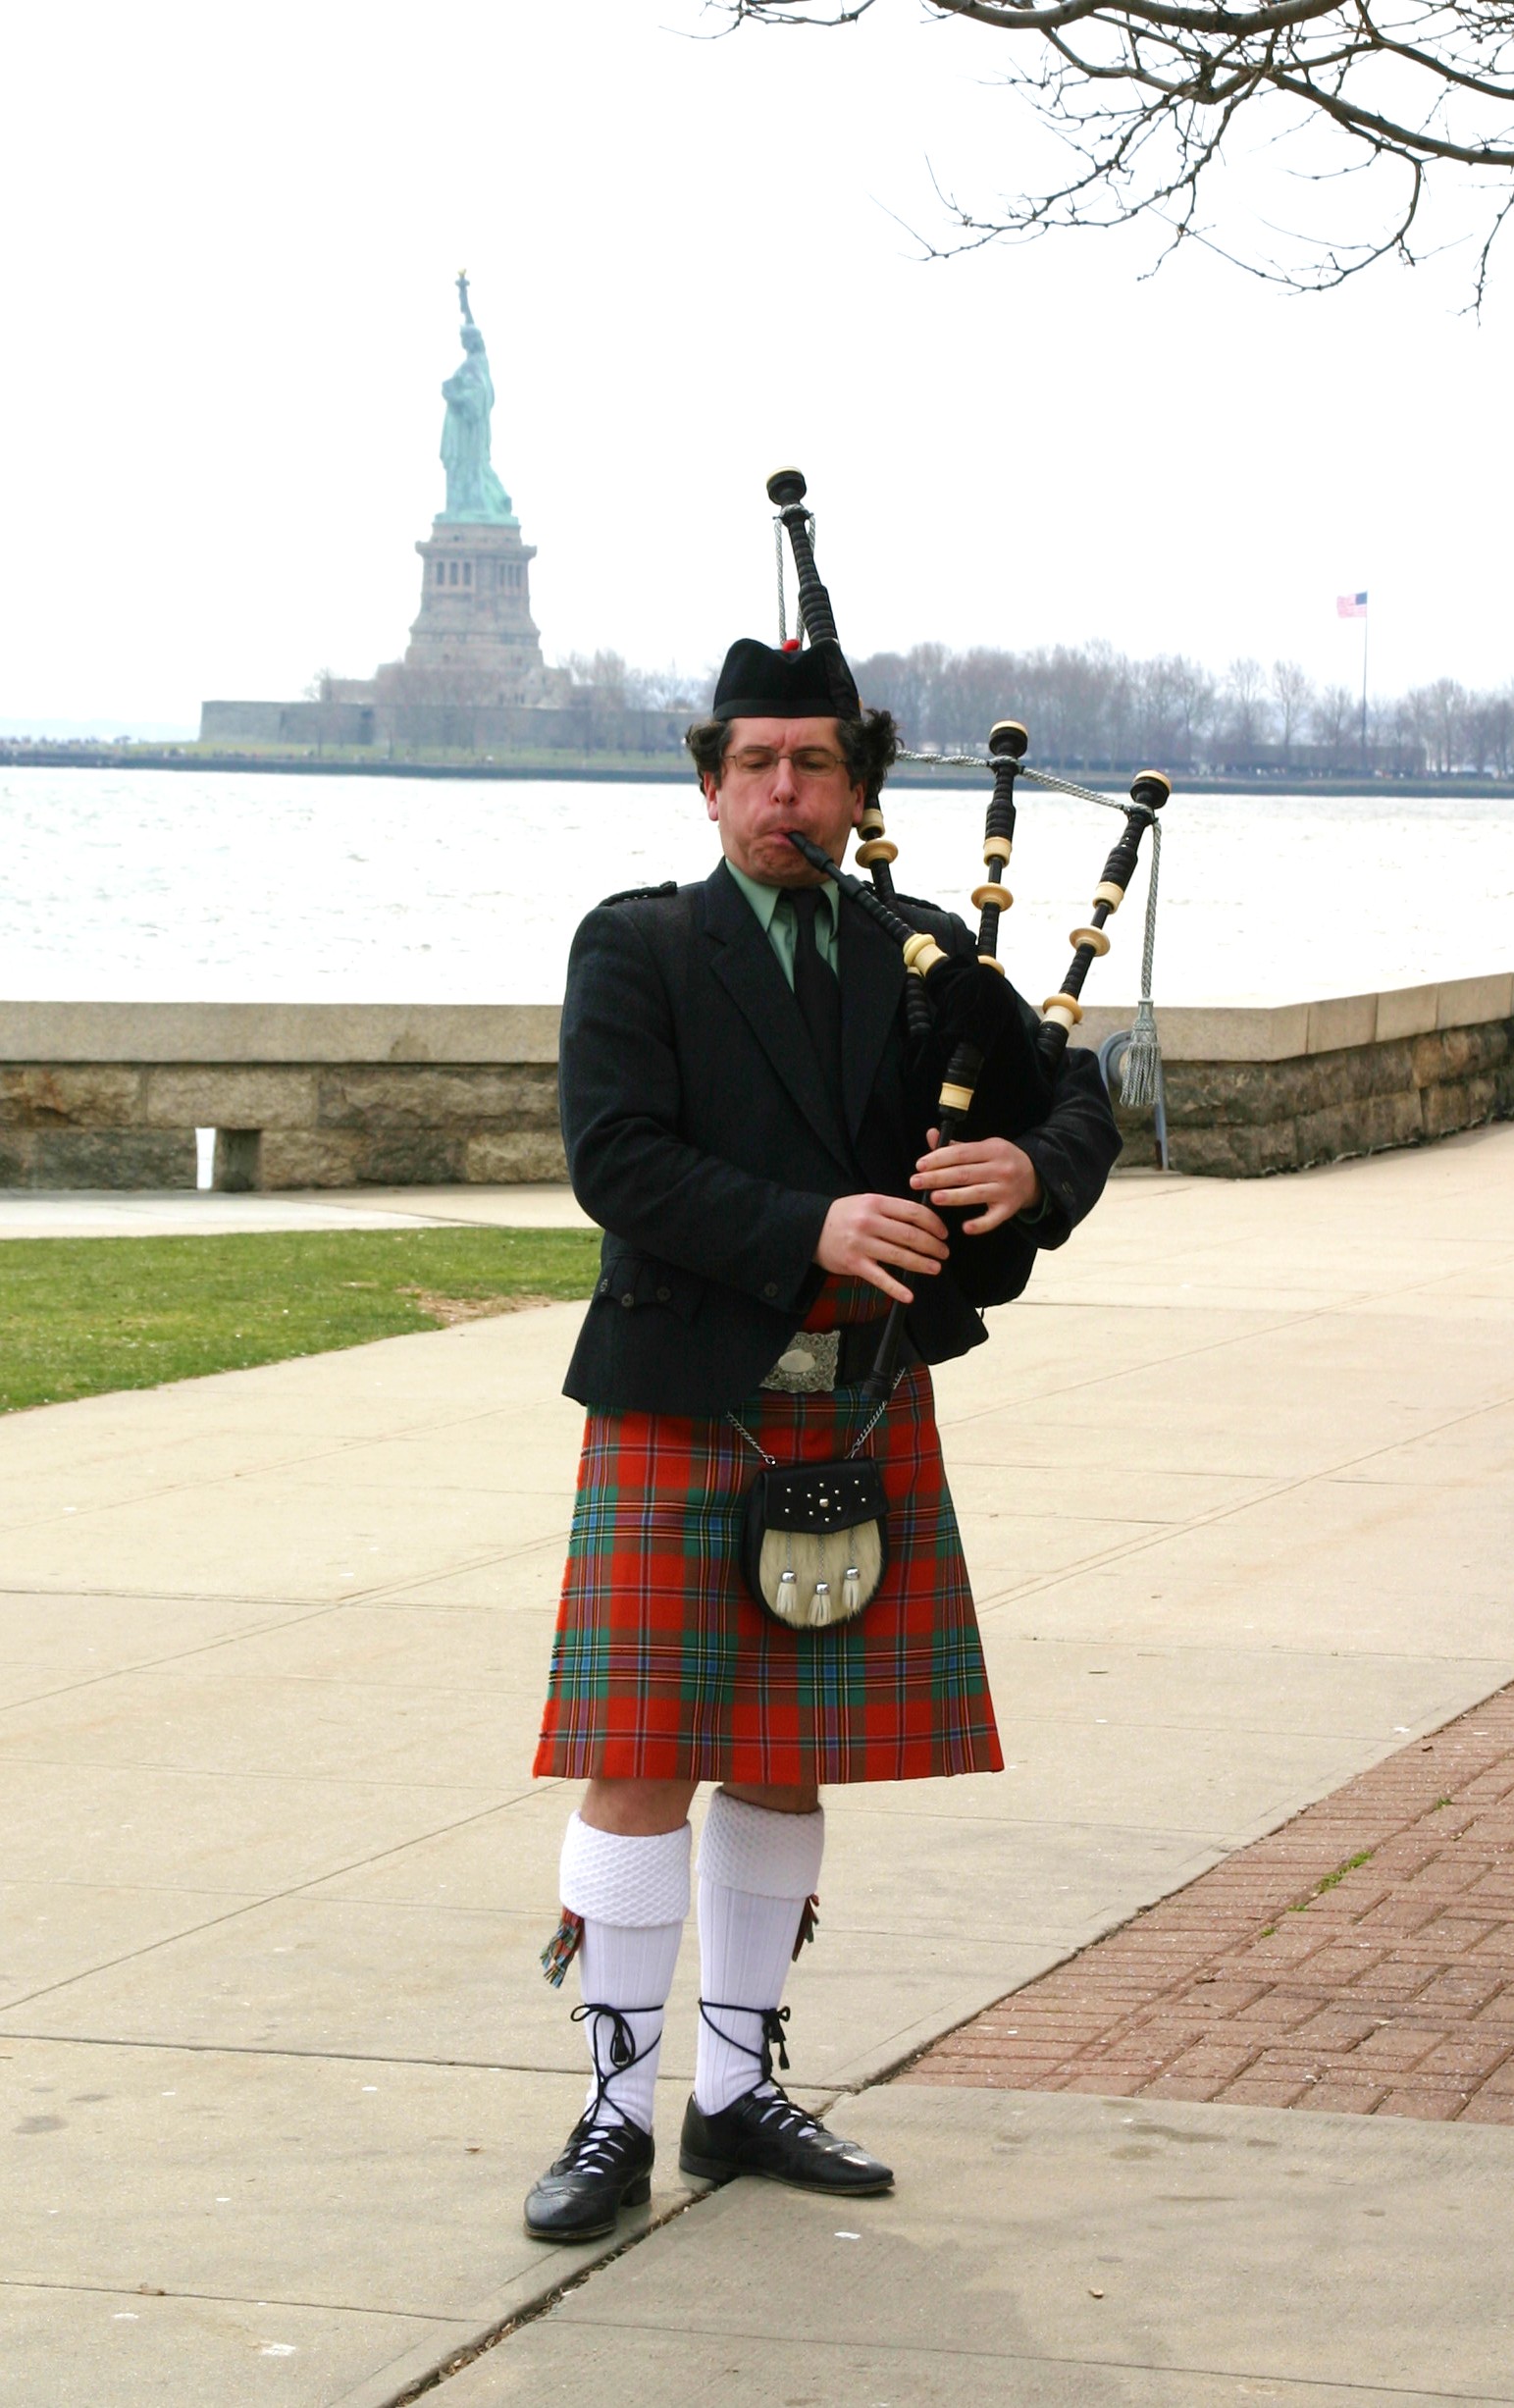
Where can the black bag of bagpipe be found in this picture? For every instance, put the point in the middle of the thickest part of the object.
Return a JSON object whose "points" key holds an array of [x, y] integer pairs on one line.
{"points": [[1011, 1093]]}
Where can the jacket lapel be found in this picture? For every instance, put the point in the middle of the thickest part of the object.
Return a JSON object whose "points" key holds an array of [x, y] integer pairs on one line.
{"points": [[873, 977], [744, 961]]}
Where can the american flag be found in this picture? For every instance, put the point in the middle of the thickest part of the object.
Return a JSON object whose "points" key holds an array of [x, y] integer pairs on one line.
{"points": [[1351, 605]]}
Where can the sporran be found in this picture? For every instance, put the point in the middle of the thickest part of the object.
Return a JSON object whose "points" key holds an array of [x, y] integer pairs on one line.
{"points": [[814, 1536]]}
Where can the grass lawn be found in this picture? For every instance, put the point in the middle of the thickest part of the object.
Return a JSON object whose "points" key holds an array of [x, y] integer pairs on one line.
{"points": [[79, 1315]]}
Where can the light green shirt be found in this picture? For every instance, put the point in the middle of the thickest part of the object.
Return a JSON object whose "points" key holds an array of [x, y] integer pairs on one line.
{"points": [[781, 922]]}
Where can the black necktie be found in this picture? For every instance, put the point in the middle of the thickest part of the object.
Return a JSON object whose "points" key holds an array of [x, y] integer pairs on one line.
{"points": [[817, 991]]}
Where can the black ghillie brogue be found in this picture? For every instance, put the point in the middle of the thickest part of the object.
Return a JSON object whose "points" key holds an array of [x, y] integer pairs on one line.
{"points": [[603, 2167], [763, 2131]]}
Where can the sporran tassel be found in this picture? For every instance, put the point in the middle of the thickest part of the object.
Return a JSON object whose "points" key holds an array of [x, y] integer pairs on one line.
{"points": [[563, 1947]]}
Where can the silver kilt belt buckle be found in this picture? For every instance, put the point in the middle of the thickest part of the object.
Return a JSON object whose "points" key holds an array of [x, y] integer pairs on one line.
{"points": [[809, 1364]]}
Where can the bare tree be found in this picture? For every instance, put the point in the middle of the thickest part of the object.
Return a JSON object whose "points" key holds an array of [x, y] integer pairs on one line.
{"points": [[669, 689], [1293, 692], [1160, 732], [909, 682], [1197, 699], [1332, 719], [1147, 94], [605, 672], [1091, 707], [1489, 732], [1439, 715], [1074, 694], [1245, 695], [1401, 735]]}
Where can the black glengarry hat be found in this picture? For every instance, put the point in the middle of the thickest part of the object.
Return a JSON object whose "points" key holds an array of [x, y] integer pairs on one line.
{"points": [[758, 682]]}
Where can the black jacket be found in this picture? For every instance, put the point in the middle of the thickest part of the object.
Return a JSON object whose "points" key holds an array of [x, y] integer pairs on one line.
{"points": [[700, 1137]]}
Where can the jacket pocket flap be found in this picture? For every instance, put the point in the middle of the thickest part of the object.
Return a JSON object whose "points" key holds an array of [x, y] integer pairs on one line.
{"points": [[629, 1279]]}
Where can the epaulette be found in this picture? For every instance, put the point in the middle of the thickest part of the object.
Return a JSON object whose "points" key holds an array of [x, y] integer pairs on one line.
{"points": [[644, 894]]}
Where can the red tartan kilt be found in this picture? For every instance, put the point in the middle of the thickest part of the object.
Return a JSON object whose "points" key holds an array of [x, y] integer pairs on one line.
{"points": [[664, 1668]]}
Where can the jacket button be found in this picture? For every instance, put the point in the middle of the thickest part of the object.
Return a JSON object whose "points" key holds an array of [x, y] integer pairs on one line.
{"points": [[771, 1289], [629, 1297], [665, 1296]]}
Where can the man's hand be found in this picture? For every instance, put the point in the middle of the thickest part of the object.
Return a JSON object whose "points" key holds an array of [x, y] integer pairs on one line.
{"points": [[862, 1233], [990, 1172]]}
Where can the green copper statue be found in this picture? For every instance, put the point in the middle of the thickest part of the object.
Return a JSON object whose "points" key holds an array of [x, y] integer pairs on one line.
{"points": [[474, 494]]}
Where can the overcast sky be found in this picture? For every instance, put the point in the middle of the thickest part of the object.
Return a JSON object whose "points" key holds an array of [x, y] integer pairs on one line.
{"points": [[233, 238]]}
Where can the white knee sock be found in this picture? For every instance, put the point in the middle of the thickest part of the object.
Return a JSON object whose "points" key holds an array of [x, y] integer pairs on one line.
{"points": [[633, 1894], [756, 1868]]}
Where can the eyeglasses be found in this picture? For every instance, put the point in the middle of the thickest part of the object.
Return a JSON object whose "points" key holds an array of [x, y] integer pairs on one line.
{"points": [[757, 760]]}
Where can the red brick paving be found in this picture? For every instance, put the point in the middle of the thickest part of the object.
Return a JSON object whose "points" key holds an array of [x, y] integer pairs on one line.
{"points": [[1358, 1962]]}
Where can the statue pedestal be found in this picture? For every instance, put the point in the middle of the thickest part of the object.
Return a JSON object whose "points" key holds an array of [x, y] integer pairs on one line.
{"points": [[475, 640]]}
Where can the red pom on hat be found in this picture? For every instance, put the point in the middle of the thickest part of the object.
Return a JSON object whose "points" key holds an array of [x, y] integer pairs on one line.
{"points": [[792, 644]]}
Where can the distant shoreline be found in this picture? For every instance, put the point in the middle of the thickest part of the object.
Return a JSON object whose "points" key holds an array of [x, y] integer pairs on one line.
{"points": [[672, 769]]}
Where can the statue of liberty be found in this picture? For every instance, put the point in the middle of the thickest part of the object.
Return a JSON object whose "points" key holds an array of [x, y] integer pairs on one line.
{"points": [[474, 494]]}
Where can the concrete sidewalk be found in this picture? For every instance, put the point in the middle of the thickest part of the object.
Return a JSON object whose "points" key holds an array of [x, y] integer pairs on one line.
{"points": [[1060, 2253], [1235, 1482]]}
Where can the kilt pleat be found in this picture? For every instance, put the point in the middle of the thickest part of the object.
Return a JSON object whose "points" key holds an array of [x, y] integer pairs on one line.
{"points": [[664, 1668]]}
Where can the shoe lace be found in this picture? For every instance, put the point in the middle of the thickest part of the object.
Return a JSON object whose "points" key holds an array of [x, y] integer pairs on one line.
{"points": [[777, 2113], [772, 2020], [594, 2148], [596, 2142]]}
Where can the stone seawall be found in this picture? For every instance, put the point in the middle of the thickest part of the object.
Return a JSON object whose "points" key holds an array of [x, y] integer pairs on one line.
{"points": [[1279, 1088], [299, 1095], [1239, 1120], [317, 1095]]}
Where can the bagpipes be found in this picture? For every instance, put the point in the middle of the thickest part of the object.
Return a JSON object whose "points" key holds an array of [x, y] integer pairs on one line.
{"points": [[968, 999]]}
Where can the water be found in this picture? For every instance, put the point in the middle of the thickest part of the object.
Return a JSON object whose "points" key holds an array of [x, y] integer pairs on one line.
{"points": [[169, 885]]}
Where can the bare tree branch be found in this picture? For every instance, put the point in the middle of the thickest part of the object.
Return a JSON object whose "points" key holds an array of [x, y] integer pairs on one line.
{"points": [[1145, 92]]}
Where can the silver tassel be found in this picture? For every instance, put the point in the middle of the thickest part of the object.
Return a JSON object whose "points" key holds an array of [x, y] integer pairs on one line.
{"points": [[1140, 1065], [1142, 1059]]}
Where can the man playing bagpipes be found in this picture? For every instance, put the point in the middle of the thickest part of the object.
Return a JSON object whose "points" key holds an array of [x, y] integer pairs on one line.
{"points": [[752, 1121]]}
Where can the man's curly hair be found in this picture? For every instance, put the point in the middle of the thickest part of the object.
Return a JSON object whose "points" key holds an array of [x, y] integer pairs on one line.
{"points": [[869, 747]]}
